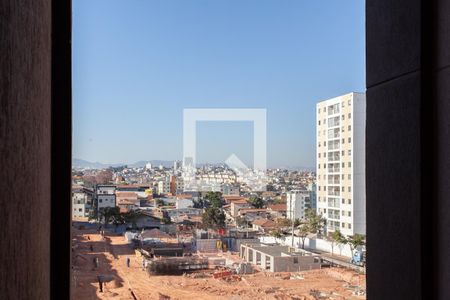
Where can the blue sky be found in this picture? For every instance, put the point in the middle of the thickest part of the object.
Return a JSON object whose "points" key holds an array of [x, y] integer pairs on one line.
{"points": [[137, 64]]}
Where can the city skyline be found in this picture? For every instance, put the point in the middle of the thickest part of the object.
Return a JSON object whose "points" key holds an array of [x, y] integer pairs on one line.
{"points": [[133, 78]]}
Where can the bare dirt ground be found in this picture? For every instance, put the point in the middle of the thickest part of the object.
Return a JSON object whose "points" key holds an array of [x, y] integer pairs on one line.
{"points": [[134, 283]]}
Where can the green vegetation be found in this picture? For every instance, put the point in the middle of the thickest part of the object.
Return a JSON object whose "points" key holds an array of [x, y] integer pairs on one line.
{"points": [[312, 224], [276, 233], [355, 241], [213, 217], [214, 199], [110, 215], [336, 238], [257, 202]]}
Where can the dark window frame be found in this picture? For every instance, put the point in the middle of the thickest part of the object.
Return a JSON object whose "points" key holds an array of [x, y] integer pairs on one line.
{"points": [[400, 54]]}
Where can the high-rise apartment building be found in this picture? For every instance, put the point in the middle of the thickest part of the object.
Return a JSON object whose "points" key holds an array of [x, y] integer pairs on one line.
{"points": [[340, 150], [297, 202]]}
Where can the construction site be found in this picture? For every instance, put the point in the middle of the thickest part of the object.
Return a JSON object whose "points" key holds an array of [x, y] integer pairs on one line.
{"points": [[156, 265]]}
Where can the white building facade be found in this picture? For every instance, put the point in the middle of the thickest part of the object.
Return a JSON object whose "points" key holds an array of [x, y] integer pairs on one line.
{"points": [[297, 202], [81, 202], [105, 196], [340, 150]]}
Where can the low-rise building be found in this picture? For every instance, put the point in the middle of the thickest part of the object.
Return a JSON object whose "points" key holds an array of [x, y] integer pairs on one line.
{"points": [[105, 196], [276, 258], [264, 225], [82, 201]]}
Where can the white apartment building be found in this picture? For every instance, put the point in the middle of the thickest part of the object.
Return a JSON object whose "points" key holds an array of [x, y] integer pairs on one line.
{"points": [[340, 150], [82, 199], [105, 196], [297, 202]]}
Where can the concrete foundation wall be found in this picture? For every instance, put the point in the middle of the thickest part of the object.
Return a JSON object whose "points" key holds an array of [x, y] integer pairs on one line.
{"points": [[313, 244]]}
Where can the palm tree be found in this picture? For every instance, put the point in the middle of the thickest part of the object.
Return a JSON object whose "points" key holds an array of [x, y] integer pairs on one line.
{"points": [[336, 238], [315, 221], [355, 241]]}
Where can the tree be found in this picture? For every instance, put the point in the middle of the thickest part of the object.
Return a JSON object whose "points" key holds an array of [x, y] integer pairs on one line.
{"points": [[336, 238], [241, 221], [276, 233], [283, 222], [109, 214], [166, 220], [131, 217], [117, 219], [159, 202], [89, 180], [215, 199], [103, 177], [303, 231], [213, 217], [315, 221], [355, 241], [93, 214], [257, 202]]}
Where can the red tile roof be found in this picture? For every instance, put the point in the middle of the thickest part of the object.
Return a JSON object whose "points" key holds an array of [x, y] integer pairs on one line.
{"points": [[265, 223], [277, 207]]}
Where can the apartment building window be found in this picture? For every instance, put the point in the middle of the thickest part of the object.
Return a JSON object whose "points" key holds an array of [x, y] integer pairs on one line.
{"points": [[343, 141], [319, 144], [343, 117], [349, 102], [319, 155], [349, 164], [349, 201], [324, 109], [349, 127], [343, 201], [324, 154], [349, 213], [343, 152], [343, 165], [350, 152], [349, 115], [343, 129], [349, 176], [349, 188], [349, 139], [319, 122], [349, 226], [324, 144], [319, 113]]}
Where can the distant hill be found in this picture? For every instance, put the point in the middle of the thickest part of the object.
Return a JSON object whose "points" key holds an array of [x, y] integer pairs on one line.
{"points": [[81, 163]]}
